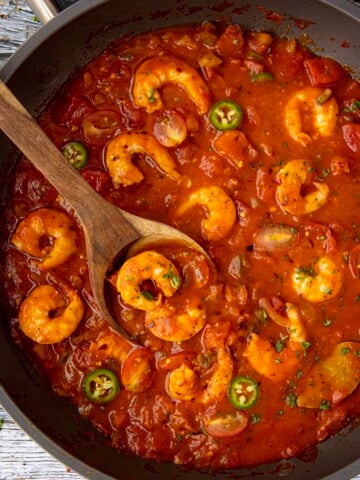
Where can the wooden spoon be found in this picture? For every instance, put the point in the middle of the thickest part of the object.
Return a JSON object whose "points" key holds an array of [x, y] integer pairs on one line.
{"points": [[109, 231]]}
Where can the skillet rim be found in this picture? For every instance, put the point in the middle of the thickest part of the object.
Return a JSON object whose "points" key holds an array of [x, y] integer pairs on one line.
{"points": [[71, 14]]}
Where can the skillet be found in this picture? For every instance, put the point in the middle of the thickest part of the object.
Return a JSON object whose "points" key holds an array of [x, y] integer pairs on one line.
{"points": [[35, 73]]}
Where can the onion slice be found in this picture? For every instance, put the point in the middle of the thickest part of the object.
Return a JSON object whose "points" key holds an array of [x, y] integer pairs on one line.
{"points": [[276, 238]]}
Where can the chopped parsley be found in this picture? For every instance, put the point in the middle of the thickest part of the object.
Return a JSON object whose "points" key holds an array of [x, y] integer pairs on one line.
{"points": [[326, 172], [147, 295], [254, 418], [305, 271], [345, 351], [291, 400], [353, 107], [325, 405], [174, 279], [151, 95], [261, 315]]}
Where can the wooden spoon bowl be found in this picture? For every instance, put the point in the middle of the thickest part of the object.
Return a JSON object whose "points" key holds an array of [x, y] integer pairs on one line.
{"points": [[109, 231]]}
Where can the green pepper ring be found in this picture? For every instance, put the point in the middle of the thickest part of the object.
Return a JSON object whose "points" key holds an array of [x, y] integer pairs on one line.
{"points": [[243, 392], [76, 154], [219, 112], [101, 386]]}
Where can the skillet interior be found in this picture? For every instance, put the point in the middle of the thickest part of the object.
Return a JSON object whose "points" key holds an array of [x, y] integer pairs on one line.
{"points": [[45, 62]]}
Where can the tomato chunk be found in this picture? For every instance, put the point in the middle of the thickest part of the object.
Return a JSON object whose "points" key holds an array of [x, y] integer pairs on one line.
{"points": [[351, 135], [137, 370], [230, 43], [323, 72], [226, 425], [98, 179]]}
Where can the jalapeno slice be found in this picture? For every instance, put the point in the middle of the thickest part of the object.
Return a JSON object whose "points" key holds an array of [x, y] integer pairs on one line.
{"points": [[76, 154], [101, 385], [225, 115], [243, 392]]}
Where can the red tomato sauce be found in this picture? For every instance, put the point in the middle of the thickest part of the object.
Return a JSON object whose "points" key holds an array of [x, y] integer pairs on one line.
{"points": [[274, 201]]}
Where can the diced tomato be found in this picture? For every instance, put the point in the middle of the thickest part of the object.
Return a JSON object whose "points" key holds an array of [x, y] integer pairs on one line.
{"points": [[339, 166], [232, 145], [134, 117], [214, 336], [137, 370], [230, 43], [253, 66], [98, 179], [194, 268], [71, 110], [323, 236], [351, 135], [265, 184], [323, 72], [259, 42], [351, 109]]}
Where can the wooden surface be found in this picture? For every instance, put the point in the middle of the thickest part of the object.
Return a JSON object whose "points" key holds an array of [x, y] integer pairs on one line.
{"points": [[20, 457]]}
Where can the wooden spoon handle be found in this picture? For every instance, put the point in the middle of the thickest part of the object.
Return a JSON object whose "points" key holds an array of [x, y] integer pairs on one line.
{"points": [[26, 134], [94, 211]]}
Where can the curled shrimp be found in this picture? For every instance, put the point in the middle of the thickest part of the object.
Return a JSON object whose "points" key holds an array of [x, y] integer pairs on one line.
{"points": [[183, 382], [48, 234], [292, 177], [264, 358], [179, 322], [156, 72], [319, 281], [220, 211], [48, 316], [148, 265], [220, 379], [304, 111], [120, 150], [113, 345]]}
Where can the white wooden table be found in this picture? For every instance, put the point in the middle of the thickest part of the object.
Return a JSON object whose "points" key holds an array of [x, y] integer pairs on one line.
{"points": [[20, 457]]}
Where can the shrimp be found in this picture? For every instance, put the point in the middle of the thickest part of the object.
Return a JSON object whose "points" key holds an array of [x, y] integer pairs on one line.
{"points": [[48, 316], [288, 194], [304, 107], [148, 265], [179, 322], [48, 234], [114, 346], [156, 72], [220, 211], [120, 150], [264, 358], [318, 282], [183, 382], [221, 377]]}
